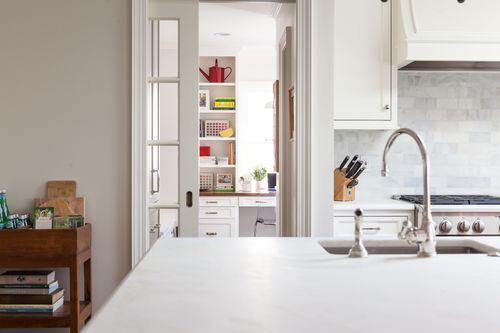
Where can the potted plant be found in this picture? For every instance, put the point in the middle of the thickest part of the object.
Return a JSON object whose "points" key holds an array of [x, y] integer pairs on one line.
{"points": [[260, 176], [246, 183]]}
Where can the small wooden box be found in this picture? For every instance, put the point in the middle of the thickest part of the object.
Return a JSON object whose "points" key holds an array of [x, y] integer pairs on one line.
{"points": [[340, 190]]}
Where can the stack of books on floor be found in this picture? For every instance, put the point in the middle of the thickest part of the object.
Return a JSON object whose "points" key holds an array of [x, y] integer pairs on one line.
{"points": [[30, 292]]}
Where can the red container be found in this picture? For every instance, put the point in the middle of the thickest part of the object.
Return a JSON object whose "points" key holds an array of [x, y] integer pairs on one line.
{"points": [[204, 150]]}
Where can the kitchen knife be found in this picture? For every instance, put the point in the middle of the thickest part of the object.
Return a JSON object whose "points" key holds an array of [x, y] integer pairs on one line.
{"points": [[344, 162], [360, 171], [351, 164], [352, 183], [354, 169]]}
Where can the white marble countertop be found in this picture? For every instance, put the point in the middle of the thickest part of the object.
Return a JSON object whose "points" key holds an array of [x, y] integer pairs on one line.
{"points": [[373, 203], [293, 285]]}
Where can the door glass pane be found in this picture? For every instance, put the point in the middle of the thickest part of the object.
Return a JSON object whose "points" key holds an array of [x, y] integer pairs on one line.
{"points": [[168, 48], [163, 115], [163, 163], [169, 111], [162, 223]]}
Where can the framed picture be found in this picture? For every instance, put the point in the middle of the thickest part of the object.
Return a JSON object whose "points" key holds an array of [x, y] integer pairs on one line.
{"points": [[204, 100], [224, 180], [291, 111]]}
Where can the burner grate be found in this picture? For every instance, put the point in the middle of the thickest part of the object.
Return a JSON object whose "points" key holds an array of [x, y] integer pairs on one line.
{"points": [[452, 199]]}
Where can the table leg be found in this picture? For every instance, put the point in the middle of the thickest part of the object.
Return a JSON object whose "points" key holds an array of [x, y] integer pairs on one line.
{"points": [[74, 282]]}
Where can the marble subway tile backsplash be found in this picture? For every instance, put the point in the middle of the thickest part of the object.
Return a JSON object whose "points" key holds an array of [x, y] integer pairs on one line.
{"points": [[458, 117]]}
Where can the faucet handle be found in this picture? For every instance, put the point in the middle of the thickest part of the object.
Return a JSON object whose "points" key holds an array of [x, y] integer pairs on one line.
{"points": [[358, 250], [407, 232]]}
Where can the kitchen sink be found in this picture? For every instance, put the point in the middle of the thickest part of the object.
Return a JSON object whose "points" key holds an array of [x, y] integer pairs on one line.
{"points": [[388, 247]]}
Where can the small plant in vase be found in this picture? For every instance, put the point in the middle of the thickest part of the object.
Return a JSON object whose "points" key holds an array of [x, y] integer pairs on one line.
{"points": [[260, 176], [246, 183]]}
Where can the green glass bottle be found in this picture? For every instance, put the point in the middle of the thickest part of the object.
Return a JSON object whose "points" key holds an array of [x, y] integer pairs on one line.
{"points": [[5, 206], [3, 213]]}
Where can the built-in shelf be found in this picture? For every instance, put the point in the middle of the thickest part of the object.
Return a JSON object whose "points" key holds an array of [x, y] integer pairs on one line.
{"points": [[216, 138], [217, 84], [217, 111], [216, 166]]}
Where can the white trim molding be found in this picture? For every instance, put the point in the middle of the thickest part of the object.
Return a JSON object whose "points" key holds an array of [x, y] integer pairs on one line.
{"points": [[303, 117], [139, 96], [321, 119]]}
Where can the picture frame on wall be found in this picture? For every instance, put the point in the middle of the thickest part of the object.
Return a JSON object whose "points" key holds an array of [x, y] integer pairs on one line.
{"points": [[204, 100]]}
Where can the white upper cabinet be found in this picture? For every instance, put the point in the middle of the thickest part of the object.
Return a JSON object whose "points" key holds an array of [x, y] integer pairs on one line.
{"points": [[364, 77], [446, 30]]}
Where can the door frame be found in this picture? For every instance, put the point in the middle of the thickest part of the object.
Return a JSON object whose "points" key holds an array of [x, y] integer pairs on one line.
{"points": [[307, 164]]}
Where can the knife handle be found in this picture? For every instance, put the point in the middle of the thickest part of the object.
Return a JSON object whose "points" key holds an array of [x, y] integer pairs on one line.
{"points": [[357, 174], [351, 164], [344, 162]]}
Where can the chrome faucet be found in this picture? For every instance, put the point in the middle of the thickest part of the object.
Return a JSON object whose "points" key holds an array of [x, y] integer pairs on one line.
{"points": [[425, 236], [358, 250]]}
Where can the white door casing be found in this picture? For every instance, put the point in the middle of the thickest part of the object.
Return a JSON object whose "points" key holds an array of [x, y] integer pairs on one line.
{"points": [[314, 169]]}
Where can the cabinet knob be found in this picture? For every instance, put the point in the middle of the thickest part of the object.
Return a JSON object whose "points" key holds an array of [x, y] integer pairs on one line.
{"points": [[387, 107]]}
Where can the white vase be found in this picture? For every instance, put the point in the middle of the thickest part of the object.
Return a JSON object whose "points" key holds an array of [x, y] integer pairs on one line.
{"points": [[246, 186], [262, 186]]}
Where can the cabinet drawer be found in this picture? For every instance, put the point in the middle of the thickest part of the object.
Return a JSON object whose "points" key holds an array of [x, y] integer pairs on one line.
{"points": [[218, 201], [217, 212], [215, 230], [373, 226], [258, 202]]}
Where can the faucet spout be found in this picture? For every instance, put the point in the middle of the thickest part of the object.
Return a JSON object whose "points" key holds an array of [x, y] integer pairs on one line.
{"points": [[425, 236]]}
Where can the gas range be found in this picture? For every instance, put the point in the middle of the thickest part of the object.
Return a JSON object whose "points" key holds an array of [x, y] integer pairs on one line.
{"points": [[461, 215]]}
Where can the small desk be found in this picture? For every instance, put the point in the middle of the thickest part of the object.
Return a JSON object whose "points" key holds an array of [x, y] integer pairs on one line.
{"points": [[220, 212]]}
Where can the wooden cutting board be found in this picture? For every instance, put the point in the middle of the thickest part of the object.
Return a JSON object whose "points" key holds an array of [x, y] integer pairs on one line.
{"points": [[63, 206], [61, 189]]}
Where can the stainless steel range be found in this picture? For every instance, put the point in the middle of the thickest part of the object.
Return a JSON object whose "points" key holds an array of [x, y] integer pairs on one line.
{"points": [[461, 215]]}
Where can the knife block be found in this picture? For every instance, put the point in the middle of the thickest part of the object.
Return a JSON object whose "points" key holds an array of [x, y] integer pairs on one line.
{"points": [[340, 190]]}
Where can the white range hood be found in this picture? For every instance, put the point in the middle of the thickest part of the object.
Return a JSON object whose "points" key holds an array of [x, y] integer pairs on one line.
{"points": [[447, 34]]}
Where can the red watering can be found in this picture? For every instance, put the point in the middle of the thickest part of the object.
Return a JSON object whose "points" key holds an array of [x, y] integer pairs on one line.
{"points": [[216, 73]]}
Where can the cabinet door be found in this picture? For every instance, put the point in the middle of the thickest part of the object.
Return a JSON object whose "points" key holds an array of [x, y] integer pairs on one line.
{"points": [[362, 60]]}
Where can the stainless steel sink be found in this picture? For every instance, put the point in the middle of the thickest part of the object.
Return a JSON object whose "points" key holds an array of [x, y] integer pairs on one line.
{"points": [[388, 247]]}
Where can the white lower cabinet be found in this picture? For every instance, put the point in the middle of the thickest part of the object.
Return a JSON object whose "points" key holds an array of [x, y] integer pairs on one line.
{"points": [[218, 217], [376, 224], [215, 229], [373, 226]]}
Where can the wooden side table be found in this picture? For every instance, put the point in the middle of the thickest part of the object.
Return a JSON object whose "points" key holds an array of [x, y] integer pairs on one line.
{"points": [[29, 248]]}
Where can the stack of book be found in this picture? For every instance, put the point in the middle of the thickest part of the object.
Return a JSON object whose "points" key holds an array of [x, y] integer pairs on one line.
{"points": [[30, 291]]}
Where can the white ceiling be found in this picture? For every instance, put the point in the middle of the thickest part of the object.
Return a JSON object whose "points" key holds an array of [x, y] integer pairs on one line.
{"points": [[251, 25]]}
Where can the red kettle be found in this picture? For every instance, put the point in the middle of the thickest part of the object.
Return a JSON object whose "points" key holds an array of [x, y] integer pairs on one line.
{"points": [[216, 73]]}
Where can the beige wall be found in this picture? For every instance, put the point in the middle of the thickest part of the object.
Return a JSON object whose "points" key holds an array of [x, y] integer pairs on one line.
{"points": [[65, 114]]}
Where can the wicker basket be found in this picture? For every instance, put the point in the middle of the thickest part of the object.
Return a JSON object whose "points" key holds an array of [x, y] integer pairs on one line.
{"points": [[214, 127]]}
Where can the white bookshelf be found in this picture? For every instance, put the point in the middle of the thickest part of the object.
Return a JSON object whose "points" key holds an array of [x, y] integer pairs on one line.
{"points": [[223, 84], [219, 146], [214, 138]]}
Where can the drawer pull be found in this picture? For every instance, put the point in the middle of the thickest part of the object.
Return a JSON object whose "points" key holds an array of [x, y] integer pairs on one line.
{"points": [[211, 213], [212, 202], [260, 202], [373, 230], [211, 233]]}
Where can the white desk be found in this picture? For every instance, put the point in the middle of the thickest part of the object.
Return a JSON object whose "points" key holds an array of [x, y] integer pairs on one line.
{"points": [[220, 215]]}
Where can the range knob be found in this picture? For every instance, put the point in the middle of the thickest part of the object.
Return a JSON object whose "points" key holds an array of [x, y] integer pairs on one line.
{"points": [[463, 226], [478, 226], [445, 226]]}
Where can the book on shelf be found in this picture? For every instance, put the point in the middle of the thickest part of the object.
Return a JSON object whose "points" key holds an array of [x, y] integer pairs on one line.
{"points": [[30, 308], [231, 154], [32, 299], [31, 289], [27, 277]]}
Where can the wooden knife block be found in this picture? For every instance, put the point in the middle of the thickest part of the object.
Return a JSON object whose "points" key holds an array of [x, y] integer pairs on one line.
{"points": [[340, 190]]}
